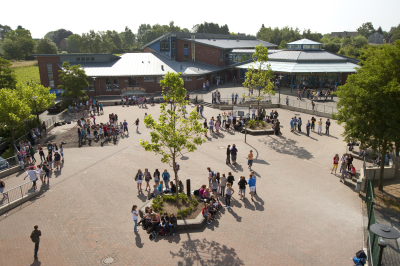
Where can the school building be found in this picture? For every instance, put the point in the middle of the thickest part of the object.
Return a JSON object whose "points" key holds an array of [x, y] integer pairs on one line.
{"points": [[199, 58]]}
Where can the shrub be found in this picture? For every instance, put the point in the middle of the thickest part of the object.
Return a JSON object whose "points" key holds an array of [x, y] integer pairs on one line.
{"points": [[169, 198], [263, 123], [183, 197], [179, 216], [252, 123]]}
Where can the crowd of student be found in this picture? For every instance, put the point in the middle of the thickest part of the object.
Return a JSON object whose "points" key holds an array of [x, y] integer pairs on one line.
{"points": [[296, 123], [347, 168]]}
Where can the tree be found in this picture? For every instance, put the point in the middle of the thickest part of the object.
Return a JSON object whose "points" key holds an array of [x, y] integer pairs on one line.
{"points": [[395, 34], [73, 79], [379, 30], [129, 38], [73, 43], [282, 45], [259, 79], [115, 40], [8, 79], [366, 29], [60, 34], [307, 34], [173, 133], [359, 41], [18, 44], [14, 111], [369, 99], [4, 31], [143, 28], [46, 46], [209, 27], [44, 99]]}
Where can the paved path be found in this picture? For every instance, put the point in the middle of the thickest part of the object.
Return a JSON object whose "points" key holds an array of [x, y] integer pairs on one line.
{"points": [[302, 215]]}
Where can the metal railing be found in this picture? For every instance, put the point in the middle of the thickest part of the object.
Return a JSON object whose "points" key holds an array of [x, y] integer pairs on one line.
{"points": [[16, 193], [373, 247]]}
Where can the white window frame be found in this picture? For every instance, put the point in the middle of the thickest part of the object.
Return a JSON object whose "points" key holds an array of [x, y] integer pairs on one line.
{"points": [[148, 79], [188, 78], [159, 79], [200, 77]]}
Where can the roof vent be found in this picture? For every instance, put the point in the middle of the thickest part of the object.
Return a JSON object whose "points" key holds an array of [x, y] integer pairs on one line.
{"points": [[162, 67], [149, 62], [142, 62], [214, 40], [237, 40], [209, 39]]}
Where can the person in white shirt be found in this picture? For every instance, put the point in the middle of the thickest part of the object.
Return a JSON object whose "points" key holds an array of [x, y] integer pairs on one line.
{"points": [[253, 113], [32, 176], [135, 217]]}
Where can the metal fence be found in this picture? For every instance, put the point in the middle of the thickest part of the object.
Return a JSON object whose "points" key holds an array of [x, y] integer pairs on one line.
{"points": [[16, 193], [372, 243]]}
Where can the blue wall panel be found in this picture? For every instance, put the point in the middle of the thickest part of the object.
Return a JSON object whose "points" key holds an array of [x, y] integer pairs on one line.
{"points": [[155, 46]]}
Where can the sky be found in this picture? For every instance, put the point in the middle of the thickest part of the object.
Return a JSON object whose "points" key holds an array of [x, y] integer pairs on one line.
{"points": [[241, 16]]}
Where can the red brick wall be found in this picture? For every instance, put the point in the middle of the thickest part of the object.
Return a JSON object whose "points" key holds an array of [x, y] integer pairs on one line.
{"points": [[203, 53], [152, 86], [42, 63], [123, 82]]}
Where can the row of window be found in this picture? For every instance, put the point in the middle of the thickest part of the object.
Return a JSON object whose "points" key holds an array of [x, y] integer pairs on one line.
{"points": [[84, 59], [305, 46], [165, 45], [50, 75], [186, 53]]}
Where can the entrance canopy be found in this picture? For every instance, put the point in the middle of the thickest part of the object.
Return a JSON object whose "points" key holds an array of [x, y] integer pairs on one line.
{"points": [[294, 67]]}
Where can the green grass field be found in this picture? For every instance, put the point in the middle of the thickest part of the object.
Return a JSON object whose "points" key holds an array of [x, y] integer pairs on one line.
{"points": [[27, 74]]}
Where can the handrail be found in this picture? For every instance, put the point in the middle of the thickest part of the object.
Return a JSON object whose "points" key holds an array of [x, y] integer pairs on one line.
{"points": [[15, 193]]}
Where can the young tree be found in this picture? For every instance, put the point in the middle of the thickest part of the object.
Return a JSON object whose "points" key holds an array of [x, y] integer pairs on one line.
{"points": [[18, 44], [73, 80], [259, 79], [173, 133], [14, 111], [46, 46], [7, 77], [369, 101]]}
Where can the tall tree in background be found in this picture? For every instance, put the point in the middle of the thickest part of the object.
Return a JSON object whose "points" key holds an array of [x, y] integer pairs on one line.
{"points": [[58, 35], [173, 133], [366, 29], [276, 35], [73, 43], [369, 101], [396, 34], [46, 46], [143, 28], [259, 79], [18, 44], [4, 31], [73, 79], [114, 39], [209, 27], [307, 34], [8, 78], [379, 30], [129, 38]]}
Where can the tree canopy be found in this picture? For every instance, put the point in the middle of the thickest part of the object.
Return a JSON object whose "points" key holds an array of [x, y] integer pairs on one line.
{"points": [[173, 132], [58, 35], [8, 79], [366, 29], [209, 27], [73, 79], [18, 44], [46, 46], [369, 101]]}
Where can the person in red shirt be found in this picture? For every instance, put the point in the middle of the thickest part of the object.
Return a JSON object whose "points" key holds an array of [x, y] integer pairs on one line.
{"points": [[335, 163]]}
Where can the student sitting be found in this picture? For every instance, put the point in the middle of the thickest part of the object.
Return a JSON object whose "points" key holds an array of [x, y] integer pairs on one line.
{"points": [[164, 223], [206, 195], [172, 187], [155, 192], [172, 224], [212, 210], [202, 189], [352, 172], [206, 214]]}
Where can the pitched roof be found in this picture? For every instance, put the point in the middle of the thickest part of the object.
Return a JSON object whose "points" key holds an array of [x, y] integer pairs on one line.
{"points": [[145, 64], [304, 41]]}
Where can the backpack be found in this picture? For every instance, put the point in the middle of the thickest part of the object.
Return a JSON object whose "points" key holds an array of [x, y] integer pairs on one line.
{"points": [[152, 236], [162, 232], [213, 174], [361, 254], [196, 192]]}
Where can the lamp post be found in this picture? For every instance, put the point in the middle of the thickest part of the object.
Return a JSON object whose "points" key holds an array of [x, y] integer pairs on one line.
{"points": [[37, 113], [383, 231], [94, 85]]}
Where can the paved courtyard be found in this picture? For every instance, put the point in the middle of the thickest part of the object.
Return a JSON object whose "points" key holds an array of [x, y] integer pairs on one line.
{"points": [[302, 215]]}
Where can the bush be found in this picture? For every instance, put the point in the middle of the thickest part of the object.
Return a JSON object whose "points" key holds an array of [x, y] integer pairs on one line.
{"points": [[183, 197], [263, 123], [169, 198], [252, 123], [179, 216]]}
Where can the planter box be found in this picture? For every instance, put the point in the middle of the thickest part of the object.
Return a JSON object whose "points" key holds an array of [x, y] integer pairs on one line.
{"points": [[260, 132]]}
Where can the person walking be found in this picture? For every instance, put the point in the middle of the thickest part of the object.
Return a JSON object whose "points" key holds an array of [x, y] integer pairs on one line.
{"points": [[234, 152], [138, 179], [313, 120], [125, 127], [135, 216], [35, 237], [335, 163], [137, 125], [222, 185], [242, 187], [252, 186], [327, 125], [3, 186], [299, 124], [228, 195], [228, 155], [32, 176]]}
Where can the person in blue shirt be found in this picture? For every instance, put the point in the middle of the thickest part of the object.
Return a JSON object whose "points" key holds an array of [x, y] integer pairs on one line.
{"points": [[252, 186], [308, 128], [291, 125], [165, 175]]}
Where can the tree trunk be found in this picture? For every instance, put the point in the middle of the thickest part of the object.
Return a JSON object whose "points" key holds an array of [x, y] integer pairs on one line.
{"points": [[381, 171], [258, 107], [176, 179], [13, 139]]}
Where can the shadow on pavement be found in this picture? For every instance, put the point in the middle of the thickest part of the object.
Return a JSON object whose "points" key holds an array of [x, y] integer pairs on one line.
{"points": [[286, 146], [205, 252]]}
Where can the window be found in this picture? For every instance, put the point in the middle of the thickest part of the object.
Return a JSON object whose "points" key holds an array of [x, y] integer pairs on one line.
{"points": [[78, 59], [159, 79], [116, 84], [174, 57], [306, 46], [188, 78], [50, 74], [315, 46], [173, 45], [200, 77], [167, 46], [92, 58], [148, 79], [162, 46], [185, 57], [221, 55], [185, 45], [88, 59], [108, 84], [91, 84], [290, 46], [297, 46], [82, 59]]}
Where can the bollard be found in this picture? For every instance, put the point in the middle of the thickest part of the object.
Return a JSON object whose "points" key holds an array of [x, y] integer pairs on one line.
{"points": [[188, 188]]}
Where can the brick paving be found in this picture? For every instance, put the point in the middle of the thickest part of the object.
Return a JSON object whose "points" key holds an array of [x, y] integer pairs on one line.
{"points": [[302, 215]]}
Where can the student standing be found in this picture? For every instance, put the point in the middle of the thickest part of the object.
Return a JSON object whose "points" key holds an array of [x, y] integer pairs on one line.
{"points": [[327, 125], [35, 237], [228, 195], [135, 216], [166, 176], [125, 126], [137, 125], [308, 125], [147, 177], [250, 159], [234, 153], [320, 126], [242, 187], [230, 178], [252, 186], [335, 163], [139, 178], [299, 124], [313, 120], [222, 185]]}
